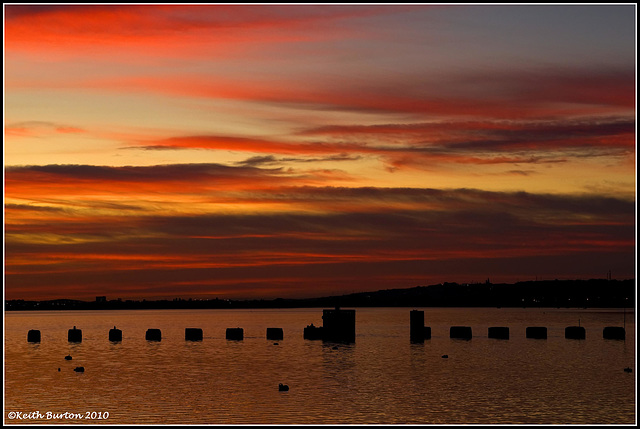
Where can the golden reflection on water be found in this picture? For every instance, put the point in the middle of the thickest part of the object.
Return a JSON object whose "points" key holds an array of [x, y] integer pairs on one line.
{"points": [[382, 378]]}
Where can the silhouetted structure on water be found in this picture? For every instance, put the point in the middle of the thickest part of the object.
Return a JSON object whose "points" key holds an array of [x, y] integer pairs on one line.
{"points": [[575, 333], [275, 334], [312, 332], [153, 335], [613, 333], [417, 331], [498, 332], [236, 334], [339, 325], [460, 332], [74, 335], [536, 332], [193, 334], [115, 335], [33, 336]]}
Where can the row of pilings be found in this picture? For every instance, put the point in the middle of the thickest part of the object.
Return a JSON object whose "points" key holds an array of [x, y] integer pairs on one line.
{"points": [[418, 332], [340, 326], [190, 334]]}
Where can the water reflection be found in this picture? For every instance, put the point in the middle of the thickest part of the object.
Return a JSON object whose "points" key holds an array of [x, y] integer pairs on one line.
{"points": [[381, 378]]}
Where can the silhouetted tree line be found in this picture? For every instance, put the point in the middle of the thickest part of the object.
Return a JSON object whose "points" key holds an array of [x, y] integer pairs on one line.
{"points": [[598, 293]]}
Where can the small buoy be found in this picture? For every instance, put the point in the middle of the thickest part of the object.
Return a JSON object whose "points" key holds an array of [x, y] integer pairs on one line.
{"points": [[79, 369], [58, 369], [275, 344], [445, 356], [627, 369], [68, 357], [283, 387]]}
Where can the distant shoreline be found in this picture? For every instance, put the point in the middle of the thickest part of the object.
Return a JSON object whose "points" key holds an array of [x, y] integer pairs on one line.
{"points": [[594, 293]]}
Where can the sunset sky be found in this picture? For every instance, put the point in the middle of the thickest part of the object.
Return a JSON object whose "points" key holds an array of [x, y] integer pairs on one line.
{"points": [[236, 151]]}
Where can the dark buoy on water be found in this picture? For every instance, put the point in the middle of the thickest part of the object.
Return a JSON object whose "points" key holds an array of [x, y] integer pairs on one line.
{"points": [[460, 332], [193, 334], [426, 333], [68, 357], [153, 335], [275, 334], [115, 335], [627, 369], [79, 369], [575, 333], [236, 334], [75, 335], [445, 356], [537, 332], [33, 336], [283, 387], [499, 332], [613, 333], [312, 332], [339, 325]]}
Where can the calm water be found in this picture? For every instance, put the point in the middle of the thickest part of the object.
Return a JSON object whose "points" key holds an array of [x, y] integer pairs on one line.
{"points": [[382, 378]]}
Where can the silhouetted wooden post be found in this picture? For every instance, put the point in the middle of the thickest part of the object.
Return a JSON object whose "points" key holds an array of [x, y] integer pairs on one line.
{"points": [[460, 332], [613, 333], [33, 336], [115, 335], [193, 334], [153, 335], [575, 333], [537, 332], [275, 334], [339, 325], [312, 332], [416, 326], [74, 335], [499, 332], [426, 332], [236, 334]]}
